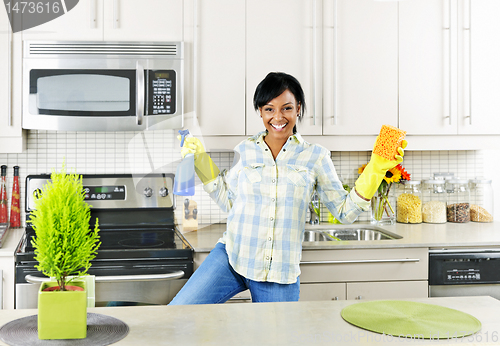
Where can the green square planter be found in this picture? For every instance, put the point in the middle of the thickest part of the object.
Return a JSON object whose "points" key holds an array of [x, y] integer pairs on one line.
{"points": [[62, 315]]}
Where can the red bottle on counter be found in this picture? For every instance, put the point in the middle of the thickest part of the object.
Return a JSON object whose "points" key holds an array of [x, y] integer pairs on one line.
{"points": [[15, 211], [3, 196]]}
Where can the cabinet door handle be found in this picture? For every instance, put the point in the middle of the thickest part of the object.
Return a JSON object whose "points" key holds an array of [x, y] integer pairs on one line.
{"points": [[93, 13], [195, 62], [314, 57], [9, 72], [335, 63], [116, 16], [467, 29], [391, 260], [447, 27]]}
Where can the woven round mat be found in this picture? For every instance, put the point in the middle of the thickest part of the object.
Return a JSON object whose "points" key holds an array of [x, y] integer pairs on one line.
{"points": [[411, 319], [101, 330]]}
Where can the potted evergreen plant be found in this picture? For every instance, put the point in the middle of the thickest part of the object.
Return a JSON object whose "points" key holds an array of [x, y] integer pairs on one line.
{"points": [[64, 246]]}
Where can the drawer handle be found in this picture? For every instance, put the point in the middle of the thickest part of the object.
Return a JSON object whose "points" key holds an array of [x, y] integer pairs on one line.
{"points": [[239, 298], [364, 261]]}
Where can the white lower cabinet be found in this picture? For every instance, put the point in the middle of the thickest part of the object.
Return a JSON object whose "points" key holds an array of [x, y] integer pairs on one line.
{"points": [[364, 274], [387, 290], [323, 291]]}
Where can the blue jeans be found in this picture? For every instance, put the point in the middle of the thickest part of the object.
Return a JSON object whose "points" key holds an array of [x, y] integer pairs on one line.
{"points": [[215, 281]]}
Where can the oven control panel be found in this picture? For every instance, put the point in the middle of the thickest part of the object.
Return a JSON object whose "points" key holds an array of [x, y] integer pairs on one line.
{"points": [[162, 91], [124, 191], [93, 193]]}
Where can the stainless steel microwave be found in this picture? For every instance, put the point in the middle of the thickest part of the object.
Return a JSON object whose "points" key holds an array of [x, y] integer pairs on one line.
{"points": [[102, 86]]}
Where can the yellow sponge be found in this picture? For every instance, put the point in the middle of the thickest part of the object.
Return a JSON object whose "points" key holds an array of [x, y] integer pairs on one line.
{"points": [[388, 141]]}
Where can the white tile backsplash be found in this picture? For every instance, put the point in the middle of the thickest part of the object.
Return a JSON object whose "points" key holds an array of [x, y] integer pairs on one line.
{"points": [[158, 151]]}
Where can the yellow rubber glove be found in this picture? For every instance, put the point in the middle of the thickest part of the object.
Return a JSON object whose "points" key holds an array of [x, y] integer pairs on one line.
{"points": [[369, 181], [203, 165]]}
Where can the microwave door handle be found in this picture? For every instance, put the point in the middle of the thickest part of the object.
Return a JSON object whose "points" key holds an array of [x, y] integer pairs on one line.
{"points": [[139, 75]]}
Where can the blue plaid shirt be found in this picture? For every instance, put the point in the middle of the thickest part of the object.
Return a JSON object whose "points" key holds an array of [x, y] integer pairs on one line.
{"points": [[267, 202]]}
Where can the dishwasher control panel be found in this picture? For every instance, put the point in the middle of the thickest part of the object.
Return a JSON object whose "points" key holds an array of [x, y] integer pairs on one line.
{"points": [[461, 268]]}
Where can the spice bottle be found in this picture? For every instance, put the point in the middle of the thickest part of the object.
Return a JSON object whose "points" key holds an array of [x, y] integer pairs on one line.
{"points": [[458, 205], [409, 202], [3, 195], [434, 198], [481, 199], [15, 211]]}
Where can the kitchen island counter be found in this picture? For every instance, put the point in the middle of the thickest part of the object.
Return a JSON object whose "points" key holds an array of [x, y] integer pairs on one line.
{"points": [[446, 235], [297, 323]]}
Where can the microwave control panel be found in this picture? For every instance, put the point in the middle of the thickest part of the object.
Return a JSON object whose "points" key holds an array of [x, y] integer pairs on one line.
{"points": [[162, 91]]}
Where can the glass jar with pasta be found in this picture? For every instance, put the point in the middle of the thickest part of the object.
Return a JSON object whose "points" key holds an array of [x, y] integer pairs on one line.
{"points": [[434, 198], [481, 200], [409, 202]]}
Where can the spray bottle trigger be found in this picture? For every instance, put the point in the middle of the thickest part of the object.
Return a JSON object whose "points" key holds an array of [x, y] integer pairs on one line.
{"points": [[183, 134]]}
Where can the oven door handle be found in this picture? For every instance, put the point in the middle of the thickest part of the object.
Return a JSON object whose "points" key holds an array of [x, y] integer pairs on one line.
{"points": [[118, 278], [153, 277], [139, 75]]}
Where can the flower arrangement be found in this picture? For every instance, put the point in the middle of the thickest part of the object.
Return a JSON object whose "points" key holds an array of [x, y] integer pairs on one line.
{"points": [[380, 201]]}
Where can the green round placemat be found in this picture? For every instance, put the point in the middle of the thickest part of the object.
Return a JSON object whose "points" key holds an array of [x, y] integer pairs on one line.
{"points": [[411, 319]]}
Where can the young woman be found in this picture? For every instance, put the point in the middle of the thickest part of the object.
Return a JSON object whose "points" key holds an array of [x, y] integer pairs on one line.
{"points": [[266, 194]]}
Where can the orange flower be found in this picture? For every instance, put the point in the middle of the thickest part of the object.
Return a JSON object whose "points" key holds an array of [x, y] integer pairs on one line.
{"points": [[404, 174]]}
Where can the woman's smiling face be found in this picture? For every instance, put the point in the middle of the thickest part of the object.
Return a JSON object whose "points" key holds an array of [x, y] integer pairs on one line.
{"points": [[280, 116]]}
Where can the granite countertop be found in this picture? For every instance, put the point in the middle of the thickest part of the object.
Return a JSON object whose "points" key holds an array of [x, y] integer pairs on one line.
{"points": [[291, 323], [446, 235]]}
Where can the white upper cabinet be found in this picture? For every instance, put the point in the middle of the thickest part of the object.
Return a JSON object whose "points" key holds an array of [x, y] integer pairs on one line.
{"points": [[145, 20], [344, 53], [428, 101], [82, 23], [479, 67], [449, 70], [215, 67], [115, 20], [284, 36], [360, 66], [11, 134]]}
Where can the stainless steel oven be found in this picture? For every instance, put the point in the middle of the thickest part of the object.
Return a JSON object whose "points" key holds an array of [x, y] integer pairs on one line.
{"points": [[142, 259], [464, 272], [102, 86]]}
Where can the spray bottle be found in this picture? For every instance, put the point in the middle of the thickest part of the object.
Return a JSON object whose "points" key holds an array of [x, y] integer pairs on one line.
{"points": [[184, 176]]}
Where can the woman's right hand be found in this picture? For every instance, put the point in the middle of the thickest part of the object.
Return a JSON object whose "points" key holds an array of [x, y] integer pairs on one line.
{"points": [[192, 145]]}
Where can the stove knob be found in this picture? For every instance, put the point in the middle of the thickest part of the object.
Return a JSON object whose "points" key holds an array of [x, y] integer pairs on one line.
{"points": [[163, 192], [148, 192]]}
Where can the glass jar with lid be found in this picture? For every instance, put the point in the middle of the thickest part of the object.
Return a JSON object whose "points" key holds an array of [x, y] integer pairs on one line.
{"points": [[434, 198], [481, 200], [458, 205], [409, 202]]}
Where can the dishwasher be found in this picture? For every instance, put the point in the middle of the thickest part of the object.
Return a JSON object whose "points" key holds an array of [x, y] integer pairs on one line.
{"points": [[464, 272]]}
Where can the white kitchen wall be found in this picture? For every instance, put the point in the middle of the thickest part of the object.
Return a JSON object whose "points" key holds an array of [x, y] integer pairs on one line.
{"points": [[158, 151]]}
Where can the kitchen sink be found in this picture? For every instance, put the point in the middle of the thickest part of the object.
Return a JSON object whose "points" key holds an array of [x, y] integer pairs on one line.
{"points": [[348, 233]]}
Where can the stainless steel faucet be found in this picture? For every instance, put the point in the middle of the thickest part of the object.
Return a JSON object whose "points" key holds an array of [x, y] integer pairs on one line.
{"points": [[314, 220]]}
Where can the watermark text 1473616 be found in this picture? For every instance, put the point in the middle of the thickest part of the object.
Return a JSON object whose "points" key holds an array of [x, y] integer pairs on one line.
{"points": [[26, 14]]}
